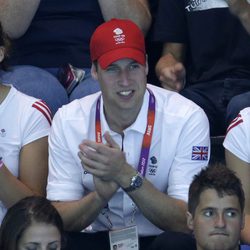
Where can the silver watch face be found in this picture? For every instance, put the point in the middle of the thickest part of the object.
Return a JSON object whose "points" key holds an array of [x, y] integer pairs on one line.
{"points": [[136, 181]]}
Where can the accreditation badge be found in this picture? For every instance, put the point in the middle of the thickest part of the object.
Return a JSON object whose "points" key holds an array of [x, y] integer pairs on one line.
{"points": [[124, 239]]}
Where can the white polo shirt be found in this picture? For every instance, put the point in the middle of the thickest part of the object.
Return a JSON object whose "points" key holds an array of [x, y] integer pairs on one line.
{"points": [[181, 129], [24, 119], [237, 140]]}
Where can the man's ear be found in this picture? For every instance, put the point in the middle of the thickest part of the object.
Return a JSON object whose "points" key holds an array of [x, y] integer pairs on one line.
{"points": [[190, 221], [2, 52], [94, 71], [243, 221]]}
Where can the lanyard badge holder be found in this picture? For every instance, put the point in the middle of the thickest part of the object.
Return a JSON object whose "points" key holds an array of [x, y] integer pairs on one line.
{"points": [[124, 239]]}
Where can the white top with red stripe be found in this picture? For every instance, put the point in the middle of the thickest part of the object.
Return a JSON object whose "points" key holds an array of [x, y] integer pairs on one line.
{"points": [[237, 140], [23, 119]]}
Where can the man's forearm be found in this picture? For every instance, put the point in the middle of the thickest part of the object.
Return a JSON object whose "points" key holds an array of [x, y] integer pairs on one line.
{"points": [[136, 10], [165, 212], [241, 9], [245, 19], [77, 215], [16, 15]]}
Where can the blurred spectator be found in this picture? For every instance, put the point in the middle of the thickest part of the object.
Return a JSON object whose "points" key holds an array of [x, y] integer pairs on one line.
{"points": [[153, 48], [206, 47], [237, 145], [24, 127], [32, 223], [241, 9], [50, 34], [215, 211]]}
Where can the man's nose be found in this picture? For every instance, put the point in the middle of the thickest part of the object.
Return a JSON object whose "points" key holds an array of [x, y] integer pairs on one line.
{"points": [[220, 221], [124, 79]]}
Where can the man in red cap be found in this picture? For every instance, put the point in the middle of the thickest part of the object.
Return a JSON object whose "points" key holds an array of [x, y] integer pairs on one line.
{"points": [[121, 160]]}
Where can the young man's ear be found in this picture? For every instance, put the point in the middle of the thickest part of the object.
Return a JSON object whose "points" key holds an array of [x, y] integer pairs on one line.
{"points": [[190, 221], [94, 70], [243, 221], [2, 51]]}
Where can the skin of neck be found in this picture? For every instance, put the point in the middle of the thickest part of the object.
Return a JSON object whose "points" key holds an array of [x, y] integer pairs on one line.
{"points": [[4, 90], [119, 120]]}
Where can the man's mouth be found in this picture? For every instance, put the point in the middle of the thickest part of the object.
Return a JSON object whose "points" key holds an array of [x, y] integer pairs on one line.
{"points": [[219, 233], [125, 93]]}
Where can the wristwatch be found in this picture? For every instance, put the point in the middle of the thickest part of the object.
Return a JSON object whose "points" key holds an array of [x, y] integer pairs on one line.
{"points": [[136, 182]]}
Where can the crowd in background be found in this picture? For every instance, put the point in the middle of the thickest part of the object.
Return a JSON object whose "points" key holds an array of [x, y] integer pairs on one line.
{"points": [[107, 111]]}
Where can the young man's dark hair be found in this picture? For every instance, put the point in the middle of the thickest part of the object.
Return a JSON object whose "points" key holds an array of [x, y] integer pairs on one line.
{"points": [[218, 177]]}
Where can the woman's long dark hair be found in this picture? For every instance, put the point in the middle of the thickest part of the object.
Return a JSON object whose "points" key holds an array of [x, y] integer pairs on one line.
{"points": [[21, 215]]}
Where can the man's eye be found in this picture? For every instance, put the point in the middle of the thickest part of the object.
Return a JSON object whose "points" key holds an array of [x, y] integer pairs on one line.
{"points": [[30, 248], [134, 66], [231, 213], [208, 213], [54, 246], [112, 69]]}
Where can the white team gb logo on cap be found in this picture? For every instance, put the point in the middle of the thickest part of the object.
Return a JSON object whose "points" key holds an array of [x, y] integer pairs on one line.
{"points": [[119, 37]]}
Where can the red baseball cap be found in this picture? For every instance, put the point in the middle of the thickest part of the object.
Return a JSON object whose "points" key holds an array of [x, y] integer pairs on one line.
{"points": [[117, 39]]}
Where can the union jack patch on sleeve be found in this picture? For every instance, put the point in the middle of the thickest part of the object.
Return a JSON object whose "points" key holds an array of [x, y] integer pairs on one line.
{"points": [[200, 153]]}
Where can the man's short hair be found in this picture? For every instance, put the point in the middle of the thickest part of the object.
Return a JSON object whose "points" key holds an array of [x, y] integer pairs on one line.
{"points": [[219, 178]]}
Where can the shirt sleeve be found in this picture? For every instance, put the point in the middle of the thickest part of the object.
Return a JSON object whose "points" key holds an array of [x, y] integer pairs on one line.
{"points": [[237, 139], [65, 174], [37, 119], [192, 154]]}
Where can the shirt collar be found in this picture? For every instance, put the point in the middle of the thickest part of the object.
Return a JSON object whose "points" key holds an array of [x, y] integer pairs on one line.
{"points": [[140, 123]]}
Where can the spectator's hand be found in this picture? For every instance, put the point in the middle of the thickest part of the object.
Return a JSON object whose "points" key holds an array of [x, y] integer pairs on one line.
{"points": [[171, 73], [105, 189], [238, 7], [105, 161]]}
